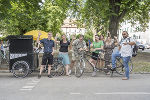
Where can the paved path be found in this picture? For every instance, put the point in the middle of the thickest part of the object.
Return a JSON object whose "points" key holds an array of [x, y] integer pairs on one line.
{"points": [[101, 87]]}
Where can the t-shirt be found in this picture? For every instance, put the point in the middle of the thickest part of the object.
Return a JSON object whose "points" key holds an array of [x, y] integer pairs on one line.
{"points": [[126, 50], [48, 45], [64, 46], [98, 45]]}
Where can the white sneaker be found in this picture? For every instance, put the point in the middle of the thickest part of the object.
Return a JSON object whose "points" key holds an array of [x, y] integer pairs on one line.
{"points": [[69, 72]]}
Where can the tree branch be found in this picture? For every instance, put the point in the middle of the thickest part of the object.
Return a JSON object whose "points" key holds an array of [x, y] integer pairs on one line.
{"points": [[125, 10]]}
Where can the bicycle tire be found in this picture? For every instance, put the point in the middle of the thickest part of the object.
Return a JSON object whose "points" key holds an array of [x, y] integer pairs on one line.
{"points": [[20, 69], [120, 69], [79, 68], [59, 70]]}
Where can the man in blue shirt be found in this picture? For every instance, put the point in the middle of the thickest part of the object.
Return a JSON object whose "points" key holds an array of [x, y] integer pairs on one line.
{"points": [[48, 44]]}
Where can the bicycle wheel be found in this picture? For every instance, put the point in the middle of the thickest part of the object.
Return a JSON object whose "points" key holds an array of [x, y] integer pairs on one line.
{"points": [[59, 69], [20, 69], [79, 68], [120, 69]]}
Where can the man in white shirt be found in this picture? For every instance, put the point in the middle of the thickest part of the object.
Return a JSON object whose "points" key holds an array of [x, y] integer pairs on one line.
{"points": [[125, 50]]}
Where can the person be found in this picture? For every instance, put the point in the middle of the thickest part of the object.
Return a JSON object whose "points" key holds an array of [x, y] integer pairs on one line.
{"points": [[77, 46], [101, 37], [2, 47], [108, 47], [97, 46], [63, 52], [48, 44], [125, 52], [89, 43], [72, 61]]}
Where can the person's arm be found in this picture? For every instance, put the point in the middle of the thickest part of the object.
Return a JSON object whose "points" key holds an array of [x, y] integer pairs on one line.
{"points": [[69, 46], [38, 40], [56, 37], [71, 43], [84, 46], [102, 47], [131, 42]]}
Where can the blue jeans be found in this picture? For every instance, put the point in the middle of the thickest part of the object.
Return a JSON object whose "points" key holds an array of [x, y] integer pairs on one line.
{"points": [[113, 58], [126, 65]]}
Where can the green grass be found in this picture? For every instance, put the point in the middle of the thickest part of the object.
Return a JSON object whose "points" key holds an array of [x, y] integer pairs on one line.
{"points": [[141, 62]]}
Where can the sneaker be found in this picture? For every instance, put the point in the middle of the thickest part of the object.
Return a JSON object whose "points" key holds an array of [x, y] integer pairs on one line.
{"points": [[125, 78], [69, 72], [39, 76], [50, 76], [113, 69], [94, 74]]}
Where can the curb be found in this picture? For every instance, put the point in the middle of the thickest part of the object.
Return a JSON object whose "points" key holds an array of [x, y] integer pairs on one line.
{"points": [[8, 71], [4, 71]]}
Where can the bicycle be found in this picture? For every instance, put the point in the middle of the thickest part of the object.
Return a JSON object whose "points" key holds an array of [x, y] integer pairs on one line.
{"points": [[120, 69], [57, 69], [80, 66]]}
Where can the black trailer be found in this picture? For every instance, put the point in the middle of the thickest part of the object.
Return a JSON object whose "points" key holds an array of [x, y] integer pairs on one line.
{"points": [[22, 59]]}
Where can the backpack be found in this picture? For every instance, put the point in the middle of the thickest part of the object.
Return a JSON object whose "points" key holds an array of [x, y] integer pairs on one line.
{"points": [[134, 49]]}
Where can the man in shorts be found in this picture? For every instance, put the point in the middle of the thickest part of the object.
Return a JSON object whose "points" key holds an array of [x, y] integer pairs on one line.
{"points": [[48, 44]]}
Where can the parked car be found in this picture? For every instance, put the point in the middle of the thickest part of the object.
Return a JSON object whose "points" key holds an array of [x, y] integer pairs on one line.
{"points": [[147, 46], [141, 46]]}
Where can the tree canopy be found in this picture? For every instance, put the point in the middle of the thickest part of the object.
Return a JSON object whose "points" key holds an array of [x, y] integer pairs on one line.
{"points": [[21, 16], [107, 14]]}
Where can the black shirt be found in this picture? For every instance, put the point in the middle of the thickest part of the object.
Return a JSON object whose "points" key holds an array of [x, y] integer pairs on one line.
{"points": [[64, 46]]}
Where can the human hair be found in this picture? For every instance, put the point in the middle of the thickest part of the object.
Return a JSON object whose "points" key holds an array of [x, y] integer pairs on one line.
{"points": [[97, 35], [100, 37], [81, 35], [125, 32]]}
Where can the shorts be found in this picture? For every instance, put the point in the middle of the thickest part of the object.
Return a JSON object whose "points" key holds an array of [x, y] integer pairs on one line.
{"points": [[47, 59], [75, 56], [94, 56], [65, 57]]}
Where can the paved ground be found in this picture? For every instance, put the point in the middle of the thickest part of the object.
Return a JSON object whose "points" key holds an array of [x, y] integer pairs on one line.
{"points": [[101, 87]]}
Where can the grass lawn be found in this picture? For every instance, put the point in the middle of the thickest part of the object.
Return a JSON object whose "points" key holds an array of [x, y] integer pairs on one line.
{"points": [[141, 62]]}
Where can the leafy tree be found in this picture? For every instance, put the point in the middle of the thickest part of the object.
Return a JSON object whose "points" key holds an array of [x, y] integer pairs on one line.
{"points": [[21, 16], [107, 14]]}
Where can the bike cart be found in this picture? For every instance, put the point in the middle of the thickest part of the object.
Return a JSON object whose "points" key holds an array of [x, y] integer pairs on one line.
{"points": [[22, 59]]}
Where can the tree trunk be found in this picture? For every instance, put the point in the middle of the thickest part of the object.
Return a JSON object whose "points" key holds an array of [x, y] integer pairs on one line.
{"points": [[113, 26], [114, 18]]}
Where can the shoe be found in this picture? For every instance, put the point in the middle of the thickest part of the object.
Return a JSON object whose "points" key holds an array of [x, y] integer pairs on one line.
{"points": [[125, 78], [50, 76], [94, 74], [67, 75], [113, 69], [69, 72], [39, 76]]}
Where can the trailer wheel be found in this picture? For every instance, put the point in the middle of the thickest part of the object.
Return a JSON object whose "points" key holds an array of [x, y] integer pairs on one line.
{"points": [[20, 69]]}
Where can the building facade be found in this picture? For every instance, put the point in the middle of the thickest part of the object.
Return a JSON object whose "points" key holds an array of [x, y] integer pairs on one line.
{"points": [[69, 27], [135, 33]]}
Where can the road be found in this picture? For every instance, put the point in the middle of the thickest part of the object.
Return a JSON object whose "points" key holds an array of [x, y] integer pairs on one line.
{"points": [[101, 87]]}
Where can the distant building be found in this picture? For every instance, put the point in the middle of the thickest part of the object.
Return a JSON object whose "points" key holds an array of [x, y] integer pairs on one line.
{"points": [[69, 27], [134, 32]]}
